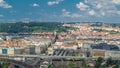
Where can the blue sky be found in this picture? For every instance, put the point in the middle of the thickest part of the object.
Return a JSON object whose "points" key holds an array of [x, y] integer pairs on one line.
{"points": [[107, 11]]}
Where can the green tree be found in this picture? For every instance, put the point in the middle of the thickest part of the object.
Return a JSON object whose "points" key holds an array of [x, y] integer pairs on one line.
{"points": [[83, 64], [116, 66], [98, 62], [71, 65], [50, 66], [109, 62], [33, 27], [5, 65]]}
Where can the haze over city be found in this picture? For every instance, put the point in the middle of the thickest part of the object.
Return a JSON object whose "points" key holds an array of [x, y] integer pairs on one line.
{"points": [[107, 11]]}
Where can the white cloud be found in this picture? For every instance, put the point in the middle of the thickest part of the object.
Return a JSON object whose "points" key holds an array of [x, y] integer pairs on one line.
{"points": [[92, 12], [76, 15], [35, 5], [1, 15], [66, 13], [100, 8], [82, 6], [3, 4], [95, 8], [116, 1], [118, 12], [103, 13], [54, 2], [63, 10]]}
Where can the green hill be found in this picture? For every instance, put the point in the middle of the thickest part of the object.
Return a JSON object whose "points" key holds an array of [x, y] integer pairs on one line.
{"points": [[32, 27]]}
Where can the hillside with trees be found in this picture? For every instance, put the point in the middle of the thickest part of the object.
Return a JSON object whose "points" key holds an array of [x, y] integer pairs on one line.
{"points": [[33, 27]]}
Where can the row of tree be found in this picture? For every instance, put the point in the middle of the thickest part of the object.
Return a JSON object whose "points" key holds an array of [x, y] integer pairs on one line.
{"points": [[32, 27]]}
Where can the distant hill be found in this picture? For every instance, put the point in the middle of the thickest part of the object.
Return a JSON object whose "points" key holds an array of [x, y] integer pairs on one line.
{"points": [[32, 27]]}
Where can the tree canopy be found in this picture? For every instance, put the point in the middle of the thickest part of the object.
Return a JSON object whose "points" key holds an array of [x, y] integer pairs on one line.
{"points": [[32, 27]]}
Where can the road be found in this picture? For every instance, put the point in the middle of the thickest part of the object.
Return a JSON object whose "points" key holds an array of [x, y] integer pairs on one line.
{"points": [[25, 65], [52, 57], [18, 63]]}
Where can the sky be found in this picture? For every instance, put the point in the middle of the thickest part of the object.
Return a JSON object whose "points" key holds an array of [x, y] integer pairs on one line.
{"points": [[107, 11]]}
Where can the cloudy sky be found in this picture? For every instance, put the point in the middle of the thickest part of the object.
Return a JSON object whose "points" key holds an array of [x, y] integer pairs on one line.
{"points": [[60, 10]]}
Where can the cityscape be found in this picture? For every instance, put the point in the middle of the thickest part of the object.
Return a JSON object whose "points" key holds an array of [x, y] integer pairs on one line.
{"points": [[81, 45], [59, 34]]}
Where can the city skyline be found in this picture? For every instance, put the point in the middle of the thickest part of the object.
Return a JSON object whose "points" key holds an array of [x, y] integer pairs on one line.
{"points": [[60, 10]]}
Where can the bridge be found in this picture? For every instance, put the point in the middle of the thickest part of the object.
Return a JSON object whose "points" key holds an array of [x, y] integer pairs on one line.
{"points": [[42, 56], [21, 62], [50, 57], [18, 63], [10, 58]]}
